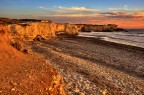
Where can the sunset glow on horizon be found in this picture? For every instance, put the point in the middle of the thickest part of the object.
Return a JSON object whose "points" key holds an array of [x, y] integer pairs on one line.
{"points": [[125, 13]]}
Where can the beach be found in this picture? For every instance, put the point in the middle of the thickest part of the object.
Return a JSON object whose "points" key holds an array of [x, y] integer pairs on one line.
{"points": [[72, 47], [90, 66]]}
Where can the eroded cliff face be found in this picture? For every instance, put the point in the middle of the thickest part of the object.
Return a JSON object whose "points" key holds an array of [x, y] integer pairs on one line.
{"points": [[98, 28], [31, 30], [71, 29], [26, 73]]}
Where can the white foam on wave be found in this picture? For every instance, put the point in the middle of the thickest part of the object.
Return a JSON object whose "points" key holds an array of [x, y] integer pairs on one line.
{"points": [[127, 38]]}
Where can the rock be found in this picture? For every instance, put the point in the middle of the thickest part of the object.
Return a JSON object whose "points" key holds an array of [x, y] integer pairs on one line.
{"points": [[98, 28], [13, 89], [120, 29], [76, 89], [57, 84], [103, 92], [20, 46], [38, 38], [38, 30], [71, 30], [17, 45]]}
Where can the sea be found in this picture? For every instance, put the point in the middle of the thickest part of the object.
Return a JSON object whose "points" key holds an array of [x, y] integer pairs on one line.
{"points": [[134, 37]]}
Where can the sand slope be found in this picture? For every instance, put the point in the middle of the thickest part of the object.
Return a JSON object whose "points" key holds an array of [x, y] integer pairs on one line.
{"points": [[24, 73]]}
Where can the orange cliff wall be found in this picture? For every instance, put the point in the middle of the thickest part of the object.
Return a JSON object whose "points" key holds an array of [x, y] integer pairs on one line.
{"points": [[31, 30]]}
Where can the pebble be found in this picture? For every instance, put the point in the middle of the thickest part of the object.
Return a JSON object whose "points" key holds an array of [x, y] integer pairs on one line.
{"points": [[13, 89], [76, 89]]}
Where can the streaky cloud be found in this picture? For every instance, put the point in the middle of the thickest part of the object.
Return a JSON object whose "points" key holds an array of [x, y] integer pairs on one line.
{"points": [[67, 11]]}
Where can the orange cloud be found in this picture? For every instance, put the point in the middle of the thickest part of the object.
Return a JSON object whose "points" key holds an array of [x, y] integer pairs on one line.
{"points": [[123, 17], [126, 22]]}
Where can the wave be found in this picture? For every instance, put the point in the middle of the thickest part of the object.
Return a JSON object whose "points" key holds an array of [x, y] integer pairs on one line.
{"points": [[128, 38]]}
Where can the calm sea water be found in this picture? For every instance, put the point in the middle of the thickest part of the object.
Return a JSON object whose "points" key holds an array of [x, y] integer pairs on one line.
{"points": [[134, 37]]}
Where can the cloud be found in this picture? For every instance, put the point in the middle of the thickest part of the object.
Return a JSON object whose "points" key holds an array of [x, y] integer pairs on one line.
{"points": [[127, 21], [121, 15], [67, 11], [41, 7], [78, 9], [127, 18], [125, 7], [113, 9], [108, 13], [141, 10]]}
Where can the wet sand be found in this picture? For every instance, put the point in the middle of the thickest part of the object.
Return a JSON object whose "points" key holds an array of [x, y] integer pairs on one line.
{"points": [[93, 67]]}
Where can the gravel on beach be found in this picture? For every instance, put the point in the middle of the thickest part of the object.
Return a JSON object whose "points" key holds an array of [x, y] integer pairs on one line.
{"points": [[91, 67]]}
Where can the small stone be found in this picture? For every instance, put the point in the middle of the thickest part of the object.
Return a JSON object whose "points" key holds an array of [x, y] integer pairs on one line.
{"points": [[13, 89], [30, 76], [46, 89], [104, 92], [76, 90], [14, 83]]}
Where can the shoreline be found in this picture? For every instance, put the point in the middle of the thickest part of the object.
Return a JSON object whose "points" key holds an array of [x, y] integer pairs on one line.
{"points": [[117, 45], [125, 38]]}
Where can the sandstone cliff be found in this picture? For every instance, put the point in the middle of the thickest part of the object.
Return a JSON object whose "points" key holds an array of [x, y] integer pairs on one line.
{"points": [[28, 31], [98, 28], [24, 73]]}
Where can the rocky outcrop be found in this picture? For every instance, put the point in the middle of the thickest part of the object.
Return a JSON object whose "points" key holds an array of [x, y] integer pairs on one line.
{"points": [[25, 73], [98, 28], [28, 31], [71, 29]]}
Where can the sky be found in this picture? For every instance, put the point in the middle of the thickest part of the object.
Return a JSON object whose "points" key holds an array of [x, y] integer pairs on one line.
{"points": [[125, 13]]}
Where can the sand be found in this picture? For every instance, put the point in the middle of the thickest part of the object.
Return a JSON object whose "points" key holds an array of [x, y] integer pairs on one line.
{"points": [[93, 67]]}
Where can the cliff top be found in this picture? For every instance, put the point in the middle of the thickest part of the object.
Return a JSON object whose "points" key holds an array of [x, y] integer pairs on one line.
{"points": [[4, 20]]}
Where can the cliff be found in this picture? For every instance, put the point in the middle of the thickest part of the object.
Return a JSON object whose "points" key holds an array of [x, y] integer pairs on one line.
{"points": [[98, 28], [28, 31], [25, 73]]}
